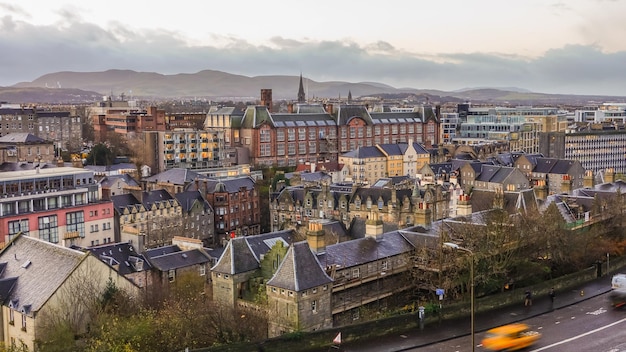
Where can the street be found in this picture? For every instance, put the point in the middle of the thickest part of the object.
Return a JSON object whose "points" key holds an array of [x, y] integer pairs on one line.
{"points": [[590, 325]]}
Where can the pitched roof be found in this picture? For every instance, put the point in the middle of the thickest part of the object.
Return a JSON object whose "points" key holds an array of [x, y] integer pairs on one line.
{"points": [[364, 153], [40, 268], [300, 270], [108, 181], [122, 256], [26, 138], [243, 254], [179, 259], [175, 176], [188, 198]]}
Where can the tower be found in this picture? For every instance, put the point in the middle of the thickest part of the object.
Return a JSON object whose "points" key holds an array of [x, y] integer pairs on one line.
{"points": [[301, 96]]}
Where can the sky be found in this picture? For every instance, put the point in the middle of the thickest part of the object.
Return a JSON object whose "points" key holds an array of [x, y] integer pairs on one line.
{"points": [[560, 46]]}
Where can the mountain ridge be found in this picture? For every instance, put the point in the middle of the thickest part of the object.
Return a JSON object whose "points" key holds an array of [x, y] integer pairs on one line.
{"points": [[215, 85]]}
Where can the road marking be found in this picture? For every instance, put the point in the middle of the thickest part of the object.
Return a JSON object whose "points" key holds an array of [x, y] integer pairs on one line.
{"points": [[597, 311], [579, 336]]}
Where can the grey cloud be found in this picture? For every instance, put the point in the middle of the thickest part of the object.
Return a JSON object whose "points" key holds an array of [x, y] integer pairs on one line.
{"points": [[29, 52]]}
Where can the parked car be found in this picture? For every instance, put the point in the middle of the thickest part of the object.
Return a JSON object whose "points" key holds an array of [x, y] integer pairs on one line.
{"points": [[510, 337]]}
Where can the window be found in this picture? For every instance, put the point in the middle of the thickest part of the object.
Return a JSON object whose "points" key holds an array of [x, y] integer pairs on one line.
{"points": [[76, 222], [18, 226], [302, 148], [23, 322], [264, 135], [48, 228], [312, 133], [280, 149], [11, 316], [355, 273], [291, 134], [301, 134], [314, 305], [202, 270], [171, 275], [280, 135]]}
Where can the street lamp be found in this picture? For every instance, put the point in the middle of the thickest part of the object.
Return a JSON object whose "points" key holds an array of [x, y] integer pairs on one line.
{"points": [[456, 246]]}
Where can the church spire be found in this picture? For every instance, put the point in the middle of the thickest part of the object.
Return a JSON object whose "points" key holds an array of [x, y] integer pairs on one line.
{"points": [[349, 97], [301, 97]]}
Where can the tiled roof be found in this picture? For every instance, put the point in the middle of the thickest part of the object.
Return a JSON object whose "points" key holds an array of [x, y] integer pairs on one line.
{"points": [[41, 268], [300, 270]]}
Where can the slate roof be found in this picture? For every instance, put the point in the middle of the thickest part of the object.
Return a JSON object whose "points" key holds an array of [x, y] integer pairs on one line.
{"points": [[300, 270], [110, 180], [123, 201], [121, 254], [392, 149], [364, 153], [20, 166], [156, 197], [357, 227], [514, 201], [346, 112], [545, 165], [40, 268], [242, 254], [563, 166], [175, 176], [367, 249], [187, 199], [113, 167], [301, 119], [21, 137], [395, 117], [179, 259], [231, 185]]}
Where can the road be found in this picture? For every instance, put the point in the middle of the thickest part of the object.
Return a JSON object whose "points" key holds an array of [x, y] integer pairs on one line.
{"points": [[590, 325]]}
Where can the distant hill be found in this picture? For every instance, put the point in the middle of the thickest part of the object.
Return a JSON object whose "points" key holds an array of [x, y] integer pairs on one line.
{"points": [[217, 85]]}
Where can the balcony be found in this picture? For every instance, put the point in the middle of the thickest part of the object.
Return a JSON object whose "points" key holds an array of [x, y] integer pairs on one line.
{"points": [[71, 235]]}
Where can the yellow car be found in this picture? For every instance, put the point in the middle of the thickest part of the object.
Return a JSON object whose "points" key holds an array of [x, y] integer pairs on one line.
{"points": [[510, 337]]}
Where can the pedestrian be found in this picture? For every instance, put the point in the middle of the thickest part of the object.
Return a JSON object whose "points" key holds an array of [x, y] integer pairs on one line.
{"points": [[552, 295], [528, 298]]}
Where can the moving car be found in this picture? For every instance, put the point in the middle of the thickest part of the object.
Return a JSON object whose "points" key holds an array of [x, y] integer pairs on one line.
{"points": [[510, 337]]}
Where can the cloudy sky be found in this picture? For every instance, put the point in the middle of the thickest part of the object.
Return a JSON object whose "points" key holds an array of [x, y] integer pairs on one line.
{"points": [[551, 46]]}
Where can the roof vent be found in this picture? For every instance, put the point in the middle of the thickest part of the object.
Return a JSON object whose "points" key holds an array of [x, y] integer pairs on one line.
{"points": [[26, 264], [184, 255]]}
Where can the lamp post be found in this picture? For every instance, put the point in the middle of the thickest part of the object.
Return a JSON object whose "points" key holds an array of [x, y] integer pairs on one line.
{"points": [[456, 246]]}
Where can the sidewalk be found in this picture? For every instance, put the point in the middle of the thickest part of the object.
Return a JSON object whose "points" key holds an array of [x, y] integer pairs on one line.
{"points": [[434, 331]]}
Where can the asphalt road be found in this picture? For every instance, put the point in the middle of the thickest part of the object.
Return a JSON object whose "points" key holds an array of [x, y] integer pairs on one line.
{"points": [[589, 325]]}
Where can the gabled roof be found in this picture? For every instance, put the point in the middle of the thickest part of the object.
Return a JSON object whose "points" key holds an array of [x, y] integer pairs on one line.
{"points": [[563, 166], [364, 153], [25, 138], [175, 176], [365, 250], [300, 270], [243, 254], [121, 255], [188, 198], [40, 268], [179, 259], [229, 185], [254, 116], [392, 149], [122, 201], [108, 181], [156, 197], [545, 165], [347, 112]]}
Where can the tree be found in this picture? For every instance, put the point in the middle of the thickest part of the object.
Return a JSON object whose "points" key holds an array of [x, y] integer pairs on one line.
{"points": [[101, 155]]}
